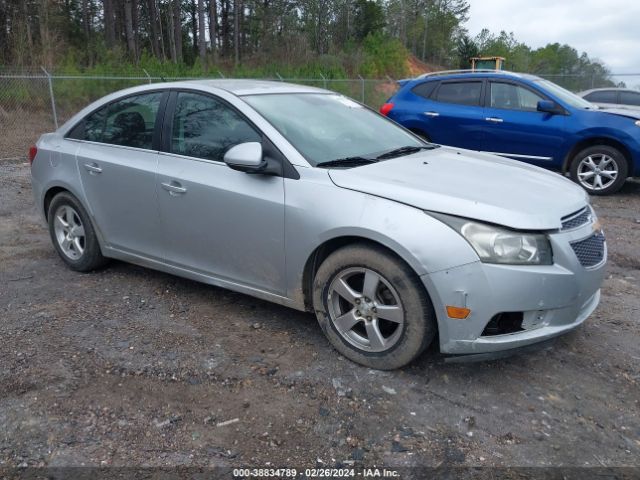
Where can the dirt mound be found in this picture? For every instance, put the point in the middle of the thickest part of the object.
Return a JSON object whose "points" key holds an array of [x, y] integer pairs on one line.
{"points": [[417, 67]]}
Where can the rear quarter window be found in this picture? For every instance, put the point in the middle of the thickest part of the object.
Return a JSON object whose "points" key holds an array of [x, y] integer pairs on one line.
{"points": [[424, 89], [630, 98]]}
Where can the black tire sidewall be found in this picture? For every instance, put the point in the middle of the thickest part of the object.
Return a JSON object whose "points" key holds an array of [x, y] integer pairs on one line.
{"points": [[92, 257], [420, 325], [614, 153]]}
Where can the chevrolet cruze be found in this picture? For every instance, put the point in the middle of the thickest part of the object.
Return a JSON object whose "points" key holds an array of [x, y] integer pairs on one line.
{"points": [[306, 198]]}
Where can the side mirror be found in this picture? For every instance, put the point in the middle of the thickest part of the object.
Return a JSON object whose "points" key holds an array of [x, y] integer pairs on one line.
{"points": [[549, 106], [245, 157]]}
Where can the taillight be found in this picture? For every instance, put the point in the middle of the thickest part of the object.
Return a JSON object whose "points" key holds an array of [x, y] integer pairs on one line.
{"points": [[386, 108], [33, 151]]}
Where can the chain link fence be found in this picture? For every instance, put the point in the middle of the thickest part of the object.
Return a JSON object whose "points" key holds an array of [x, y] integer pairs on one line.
{"points": [[579, 82], [36, 102]]}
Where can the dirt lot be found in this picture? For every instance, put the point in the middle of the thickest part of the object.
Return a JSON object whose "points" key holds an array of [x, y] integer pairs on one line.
{"points": [[128, 366]]}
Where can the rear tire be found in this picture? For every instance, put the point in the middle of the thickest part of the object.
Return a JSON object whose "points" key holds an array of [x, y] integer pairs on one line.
{"points": [[600, 170], [372, 307], [73, 235]]}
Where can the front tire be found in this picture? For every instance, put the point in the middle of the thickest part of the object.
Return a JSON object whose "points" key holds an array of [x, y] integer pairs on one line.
{"points": [[600, 170], [73, 235], [372, 307]]}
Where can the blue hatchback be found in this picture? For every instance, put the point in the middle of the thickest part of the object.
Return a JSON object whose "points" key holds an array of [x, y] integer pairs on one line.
{"points": [[523, 117]]}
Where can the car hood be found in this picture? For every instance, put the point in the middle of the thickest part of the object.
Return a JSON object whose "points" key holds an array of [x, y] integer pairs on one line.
{"points": [[630, 112], [472, 185]]}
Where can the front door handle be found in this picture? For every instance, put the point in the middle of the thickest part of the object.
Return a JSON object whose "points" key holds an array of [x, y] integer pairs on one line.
{"points": [[494, 119], [174, 188], [93, 168], [432, 114]]}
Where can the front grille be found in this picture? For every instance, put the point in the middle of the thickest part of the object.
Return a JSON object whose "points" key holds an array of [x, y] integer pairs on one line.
{"points": [[576, 219], [590, 251]]}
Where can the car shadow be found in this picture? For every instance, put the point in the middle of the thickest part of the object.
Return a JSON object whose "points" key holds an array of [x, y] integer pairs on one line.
{"points": [[267, 320], [630, 187]]}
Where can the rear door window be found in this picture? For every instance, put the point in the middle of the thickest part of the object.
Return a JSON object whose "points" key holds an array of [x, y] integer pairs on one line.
{"points": [[128, 122], [462, 93], [603, 96]]}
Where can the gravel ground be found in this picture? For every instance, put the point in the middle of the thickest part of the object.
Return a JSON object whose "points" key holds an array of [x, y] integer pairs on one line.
{"points": [[130, 367]]}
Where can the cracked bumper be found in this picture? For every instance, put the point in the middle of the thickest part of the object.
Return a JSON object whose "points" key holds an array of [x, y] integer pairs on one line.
{"points": [[554, 299]]}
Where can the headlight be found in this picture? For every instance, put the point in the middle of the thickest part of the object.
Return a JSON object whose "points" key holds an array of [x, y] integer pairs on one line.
{"points": [[500, 245], [638, 123]]}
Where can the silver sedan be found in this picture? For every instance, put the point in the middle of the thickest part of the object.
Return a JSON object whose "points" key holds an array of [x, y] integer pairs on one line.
{"points": [[307, 198]]}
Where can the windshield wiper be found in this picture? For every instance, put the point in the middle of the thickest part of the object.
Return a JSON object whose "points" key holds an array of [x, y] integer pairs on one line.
{"points": [[347, 162], [408, 150]]}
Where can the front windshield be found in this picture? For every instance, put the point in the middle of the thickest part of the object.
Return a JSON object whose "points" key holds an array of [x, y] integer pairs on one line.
{"points": [[325, 127], [565, 95]]}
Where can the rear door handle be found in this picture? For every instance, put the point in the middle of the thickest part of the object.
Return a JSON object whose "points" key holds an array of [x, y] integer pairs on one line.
{"points": [[174, 188], [432, 114], [93, 168], [494, 119]]}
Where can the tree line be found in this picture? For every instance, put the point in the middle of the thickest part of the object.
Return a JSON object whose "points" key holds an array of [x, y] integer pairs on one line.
{"points": [[561, 63], [183, 31], [373, 37]]}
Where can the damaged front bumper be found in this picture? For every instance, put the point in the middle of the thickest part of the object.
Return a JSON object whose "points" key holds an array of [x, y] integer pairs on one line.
{"points": [[541, 302]]}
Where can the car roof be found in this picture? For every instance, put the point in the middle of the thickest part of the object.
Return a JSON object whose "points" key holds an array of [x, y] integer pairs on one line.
{"points": [[466, 74], [234, 87], [603, 89], [243, 86]]}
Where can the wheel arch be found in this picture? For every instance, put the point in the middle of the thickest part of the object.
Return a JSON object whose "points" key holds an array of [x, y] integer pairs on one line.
{"points": [[48, 197], [329, 246], [52, 190], [593, 141]]}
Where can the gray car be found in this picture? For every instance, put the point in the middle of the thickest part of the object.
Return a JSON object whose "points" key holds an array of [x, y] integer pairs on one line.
{"points": [[613, 98], [306, 198]]}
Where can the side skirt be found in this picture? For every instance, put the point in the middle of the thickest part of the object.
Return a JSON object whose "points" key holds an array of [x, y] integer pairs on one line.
{"points": [[200, 277]]}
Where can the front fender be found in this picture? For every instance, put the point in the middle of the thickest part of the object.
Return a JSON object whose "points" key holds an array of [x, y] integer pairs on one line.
{"points": [[425, 243], [630, 140], [318, 212]]}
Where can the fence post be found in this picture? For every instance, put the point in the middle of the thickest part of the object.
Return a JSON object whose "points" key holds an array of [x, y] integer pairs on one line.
{"points": [[53, 100], [324, 81], [147, 74], [362, 87]]}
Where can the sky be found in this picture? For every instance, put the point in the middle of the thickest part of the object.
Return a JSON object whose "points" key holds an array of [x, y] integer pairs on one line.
{"points": [[608, 30]]}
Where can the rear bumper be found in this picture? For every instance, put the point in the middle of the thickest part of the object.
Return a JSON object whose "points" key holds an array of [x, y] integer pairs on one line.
{"points": [[38, 194], [554, 299]]}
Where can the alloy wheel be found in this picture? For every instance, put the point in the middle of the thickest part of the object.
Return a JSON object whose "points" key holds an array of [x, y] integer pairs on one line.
{"points": [[365, 309], [69, 232], [597, 171]]}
